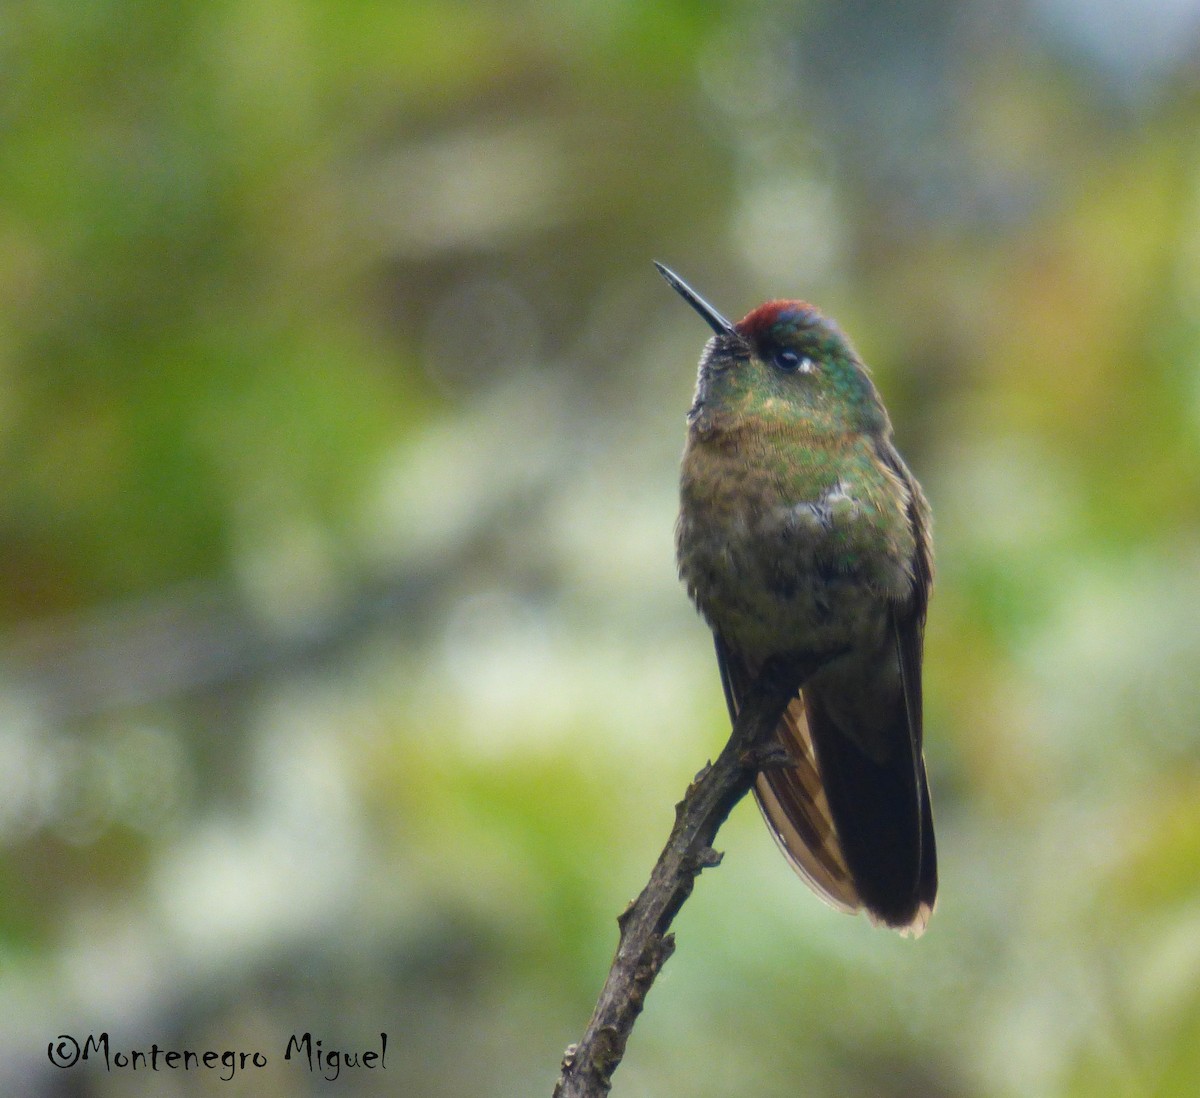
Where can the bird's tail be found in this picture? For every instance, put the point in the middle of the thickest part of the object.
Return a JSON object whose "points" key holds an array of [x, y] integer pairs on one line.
{"points": [[857, 831]]}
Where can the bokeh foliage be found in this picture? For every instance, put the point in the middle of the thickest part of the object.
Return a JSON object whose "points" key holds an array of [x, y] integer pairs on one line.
{"points": [[345, 683]]}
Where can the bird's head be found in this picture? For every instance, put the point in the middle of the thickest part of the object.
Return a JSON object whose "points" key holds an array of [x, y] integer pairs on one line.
{"points": [[784, 361]]}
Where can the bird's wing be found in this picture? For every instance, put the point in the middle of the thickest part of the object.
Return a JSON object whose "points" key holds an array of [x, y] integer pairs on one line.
{"points": [[879, 799], [910, 647]]}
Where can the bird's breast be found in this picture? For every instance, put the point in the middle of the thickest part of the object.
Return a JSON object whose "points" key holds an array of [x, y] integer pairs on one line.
{"points": [[791, 548]]}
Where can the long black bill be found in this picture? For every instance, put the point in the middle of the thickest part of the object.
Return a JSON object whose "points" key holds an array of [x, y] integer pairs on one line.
{"points": [[714, 319]]}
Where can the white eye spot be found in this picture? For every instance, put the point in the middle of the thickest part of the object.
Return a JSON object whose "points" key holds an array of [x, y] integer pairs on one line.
{"points": [[806, 366]]}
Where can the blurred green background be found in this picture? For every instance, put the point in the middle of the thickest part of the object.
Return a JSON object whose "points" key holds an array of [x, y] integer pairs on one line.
{"points": [[345, 681]]}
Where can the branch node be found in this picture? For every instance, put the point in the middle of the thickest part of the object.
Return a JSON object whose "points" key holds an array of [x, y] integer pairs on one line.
{"points": [[658, 949], [682, 806], [704, 858], [769, 756]]}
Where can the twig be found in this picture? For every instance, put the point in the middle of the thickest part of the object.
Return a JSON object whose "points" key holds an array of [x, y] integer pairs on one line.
{"points": [[645, 945]]}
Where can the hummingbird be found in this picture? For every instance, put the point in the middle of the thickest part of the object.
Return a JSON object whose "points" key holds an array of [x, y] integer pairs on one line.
{"points": [[802, 535]]}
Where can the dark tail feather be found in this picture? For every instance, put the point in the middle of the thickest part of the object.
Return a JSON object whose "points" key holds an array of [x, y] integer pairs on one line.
{"points": [[882, 814]]}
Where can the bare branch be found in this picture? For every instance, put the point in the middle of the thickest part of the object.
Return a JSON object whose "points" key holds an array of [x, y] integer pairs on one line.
{"points": [[645, 943]]}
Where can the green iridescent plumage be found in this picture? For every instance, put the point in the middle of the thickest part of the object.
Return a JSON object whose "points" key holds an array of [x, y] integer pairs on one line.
{"points": [[801, 533]]}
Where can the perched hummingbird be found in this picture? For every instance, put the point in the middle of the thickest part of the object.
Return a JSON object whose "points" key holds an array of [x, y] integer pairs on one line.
{"points": [[803, 536]]}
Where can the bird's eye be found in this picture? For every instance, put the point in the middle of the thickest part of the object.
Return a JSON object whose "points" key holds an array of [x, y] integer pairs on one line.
{"points": [[791, 362]]}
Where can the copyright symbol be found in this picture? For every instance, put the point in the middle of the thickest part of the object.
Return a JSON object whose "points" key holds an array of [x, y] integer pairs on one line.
{"points": [[64, 1053]]}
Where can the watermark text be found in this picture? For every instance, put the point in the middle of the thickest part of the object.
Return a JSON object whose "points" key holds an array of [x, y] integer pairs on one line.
{"points": [[68, 1051]]}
